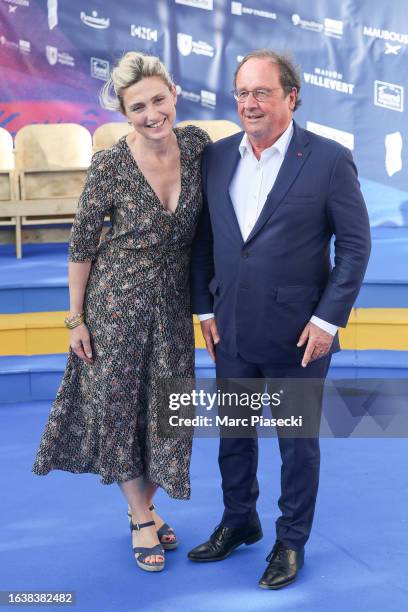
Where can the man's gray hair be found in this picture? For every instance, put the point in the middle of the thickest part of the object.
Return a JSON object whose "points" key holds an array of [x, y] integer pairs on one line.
{"points": [[289, 73]]}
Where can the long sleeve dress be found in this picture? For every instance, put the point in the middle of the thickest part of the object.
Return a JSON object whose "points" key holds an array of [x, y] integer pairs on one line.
{"points": [[137, 309]]}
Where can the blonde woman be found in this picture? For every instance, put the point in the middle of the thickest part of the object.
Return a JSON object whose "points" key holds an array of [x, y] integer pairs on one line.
{"points": [[130, 322]]}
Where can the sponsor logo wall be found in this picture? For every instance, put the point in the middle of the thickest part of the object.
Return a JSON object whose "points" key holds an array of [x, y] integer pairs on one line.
{"points": [[352, 59]]}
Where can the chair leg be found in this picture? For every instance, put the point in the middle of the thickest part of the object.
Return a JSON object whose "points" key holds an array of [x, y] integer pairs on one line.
{"points": [[18, 238]]}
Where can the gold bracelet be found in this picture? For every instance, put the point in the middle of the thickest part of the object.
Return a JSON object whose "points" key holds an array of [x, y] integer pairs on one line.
{"points": [[74, 321], [76, 324], [75, 316]]}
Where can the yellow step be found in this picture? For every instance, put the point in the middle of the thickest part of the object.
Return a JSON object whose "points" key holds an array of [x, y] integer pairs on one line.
{"points": [[376, 328], [43, 333], [33, 333], [39, 333]]}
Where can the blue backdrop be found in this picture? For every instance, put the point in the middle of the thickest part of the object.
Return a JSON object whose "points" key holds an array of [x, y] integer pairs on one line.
{"points": [[55, 55]]}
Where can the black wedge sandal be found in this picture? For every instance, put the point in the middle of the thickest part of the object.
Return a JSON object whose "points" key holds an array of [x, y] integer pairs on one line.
{"points": [[165, 530], [141, 552]]}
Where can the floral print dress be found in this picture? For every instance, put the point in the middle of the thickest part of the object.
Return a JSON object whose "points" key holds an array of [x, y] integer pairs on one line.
{"points": [[137, 309]]}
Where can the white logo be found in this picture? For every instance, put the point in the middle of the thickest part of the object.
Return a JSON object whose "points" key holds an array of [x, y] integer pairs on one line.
{"points": [[99, 68], [190, 96], [390, 49], [52, 54], [25, 46], [143, 32], [52, 6], [393, 149], [344, 138], [333, 28], [54, 57], [186, 45], [307, 24], [16, 3], [385, 35], [389, 95], [208, 98], [330, 27], [93, 21], [237, 8], [202, 4], [330, 79], [11, 44]]}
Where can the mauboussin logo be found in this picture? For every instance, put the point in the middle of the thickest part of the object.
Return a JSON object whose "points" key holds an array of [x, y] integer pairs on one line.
{"points": [[94, 21]]}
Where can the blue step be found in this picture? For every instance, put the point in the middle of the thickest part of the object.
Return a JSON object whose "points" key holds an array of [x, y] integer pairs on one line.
{"points": [[38, 282], [37, 377]]}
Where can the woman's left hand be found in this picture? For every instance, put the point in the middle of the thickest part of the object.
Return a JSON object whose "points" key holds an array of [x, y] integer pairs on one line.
{"points": [[80, 342]]}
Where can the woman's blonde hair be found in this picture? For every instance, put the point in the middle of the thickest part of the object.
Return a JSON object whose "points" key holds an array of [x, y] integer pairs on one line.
{"points": [[131, 68]]}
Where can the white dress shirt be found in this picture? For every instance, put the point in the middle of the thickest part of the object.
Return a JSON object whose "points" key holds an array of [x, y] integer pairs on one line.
{"points": [[250, 186]]}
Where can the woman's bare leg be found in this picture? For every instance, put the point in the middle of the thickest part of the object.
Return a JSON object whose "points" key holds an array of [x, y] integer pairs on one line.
{"points": [[151, 489], [139, 494]]}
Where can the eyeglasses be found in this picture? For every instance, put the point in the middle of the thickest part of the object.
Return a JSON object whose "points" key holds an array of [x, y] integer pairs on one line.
{"points": [[261, 95]]}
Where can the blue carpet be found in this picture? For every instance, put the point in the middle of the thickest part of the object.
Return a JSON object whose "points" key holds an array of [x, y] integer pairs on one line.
{"points": [[67, 532]]}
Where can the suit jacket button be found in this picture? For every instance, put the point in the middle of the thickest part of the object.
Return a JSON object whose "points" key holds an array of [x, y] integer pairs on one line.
{"points": [[245, 254]]}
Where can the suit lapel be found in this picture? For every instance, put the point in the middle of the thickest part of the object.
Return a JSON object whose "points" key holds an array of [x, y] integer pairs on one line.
{"points": [[296, 155]]}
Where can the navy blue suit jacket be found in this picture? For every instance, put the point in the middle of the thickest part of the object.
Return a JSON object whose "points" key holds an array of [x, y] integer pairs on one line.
{"points": [[264, 290]]}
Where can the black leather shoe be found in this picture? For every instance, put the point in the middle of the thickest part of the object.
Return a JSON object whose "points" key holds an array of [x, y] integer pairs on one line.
{"points": [[284, 564], [223, 541]]}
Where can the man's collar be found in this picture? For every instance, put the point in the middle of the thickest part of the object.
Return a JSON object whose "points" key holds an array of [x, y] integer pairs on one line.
{"points": [[281, 145]]}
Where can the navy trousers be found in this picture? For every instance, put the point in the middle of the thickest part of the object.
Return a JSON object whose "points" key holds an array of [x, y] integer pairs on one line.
{"points": [[238, 459]]}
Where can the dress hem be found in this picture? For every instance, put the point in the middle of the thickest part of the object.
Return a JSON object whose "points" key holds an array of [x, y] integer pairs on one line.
{"points": [[111, 480]]}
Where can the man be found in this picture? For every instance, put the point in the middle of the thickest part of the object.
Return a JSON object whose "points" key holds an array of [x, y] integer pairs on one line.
{"points": [[273, 198]]}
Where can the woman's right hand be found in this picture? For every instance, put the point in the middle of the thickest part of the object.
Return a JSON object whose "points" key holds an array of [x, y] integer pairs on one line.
{"points": [[80, 342]]}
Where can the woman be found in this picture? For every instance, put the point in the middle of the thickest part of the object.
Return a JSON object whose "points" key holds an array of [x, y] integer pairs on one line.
{"points": [[130, 322]]}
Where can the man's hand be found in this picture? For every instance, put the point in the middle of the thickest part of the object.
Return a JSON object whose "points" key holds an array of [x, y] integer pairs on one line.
{"points": [[318, 343], [210, 334], [80, 343]]}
